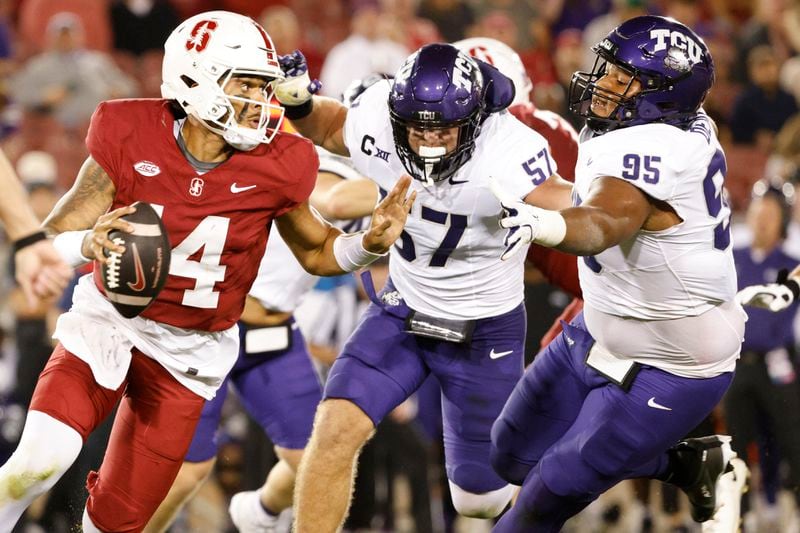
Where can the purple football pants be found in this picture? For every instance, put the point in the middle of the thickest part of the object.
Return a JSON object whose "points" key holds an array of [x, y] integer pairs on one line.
{"points": [[381, 365], [567, 434], [279, 389]]}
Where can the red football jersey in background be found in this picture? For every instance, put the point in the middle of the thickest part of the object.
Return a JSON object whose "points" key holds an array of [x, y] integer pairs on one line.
{"points": [[217, 221]]}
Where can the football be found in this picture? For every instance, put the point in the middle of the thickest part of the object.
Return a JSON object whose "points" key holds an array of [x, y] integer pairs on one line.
{"points": [[133, 279]]}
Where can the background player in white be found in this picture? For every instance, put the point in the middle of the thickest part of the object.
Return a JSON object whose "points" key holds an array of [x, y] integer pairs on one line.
{"points": [[209, 154], [656, 345], [443, 121]]}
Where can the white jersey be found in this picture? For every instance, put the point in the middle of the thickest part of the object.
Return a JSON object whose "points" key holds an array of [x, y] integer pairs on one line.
{"points": [[282, 282], [683, 271], [98, 335], [447, 262]]}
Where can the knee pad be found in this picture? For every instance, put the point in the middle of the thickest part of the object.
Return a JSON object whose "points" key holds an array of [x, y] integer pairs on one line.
{"points": [[110, 510], [484, 505], [507, 466]]}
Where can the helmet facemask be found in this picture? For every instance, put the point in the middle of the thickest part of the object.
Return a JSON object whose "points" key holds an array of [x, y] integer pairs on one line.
{"points": [[583, 88], [671, 63], [433, 164], [222, 117]]}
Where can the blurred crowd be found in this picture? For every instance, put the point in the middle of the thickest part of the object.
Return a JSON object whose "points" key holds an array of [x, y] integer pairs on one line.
{"points": [[59, 58]]}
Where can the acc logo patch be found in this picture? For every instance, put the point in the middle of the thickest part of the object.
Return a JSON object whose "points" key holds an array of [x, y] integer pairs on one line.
{"points": [[147, 168]]}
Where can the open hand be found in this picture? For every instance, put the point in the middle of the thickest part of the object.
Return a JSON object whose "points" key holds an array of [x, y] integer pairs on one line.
{"points": [[389, 217]]}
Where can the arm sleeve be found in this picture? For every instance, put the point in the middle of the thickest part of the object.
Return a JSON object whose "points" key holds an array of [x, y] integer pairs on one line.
{"points": [[524, 158]]}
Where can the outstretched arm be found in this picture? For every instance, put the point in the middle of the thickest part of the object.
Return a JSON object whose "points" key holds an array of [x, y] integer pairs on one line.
{"points": [[324, 125], [317, 118], [612, 212], [327, 251]]}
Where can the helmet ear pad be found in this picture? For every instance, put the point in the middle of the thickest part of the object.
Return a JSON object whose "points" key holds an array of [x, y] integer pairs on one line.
{"points": [[499, 90]]}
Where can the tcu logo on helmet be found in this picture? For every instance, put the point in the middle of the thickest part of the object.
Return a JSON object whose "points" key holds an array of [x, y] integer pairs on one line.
{"points": [[678, 40], [462, 68], [201, 32]]}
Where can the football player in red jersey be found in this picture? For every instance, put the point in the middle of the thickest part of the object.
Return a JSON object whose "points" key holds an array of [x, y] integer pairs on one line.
{"points": [[210, 157], [558, 268]]}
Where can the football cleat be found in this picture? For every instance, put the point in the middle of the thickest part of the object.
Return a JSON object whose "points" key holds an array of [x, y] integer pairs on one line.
{"points": [[730, 487], [701, 463]]}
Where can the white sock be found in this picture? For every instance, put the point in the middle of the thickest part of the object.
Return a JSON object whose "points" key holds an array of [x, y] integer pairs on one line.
{"points": [[45, 451]]}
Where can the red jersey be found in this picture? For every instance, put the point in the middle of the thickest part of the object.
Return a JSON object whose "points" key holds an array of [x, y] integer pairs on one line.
{"points": [[560, 269], [217, 221]]}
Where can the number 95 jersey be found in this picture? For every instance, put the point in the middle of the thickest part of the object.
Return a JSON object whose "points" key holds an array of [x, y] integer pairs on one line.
{"points": [[447, 260], [217, 221], [683, 270]]}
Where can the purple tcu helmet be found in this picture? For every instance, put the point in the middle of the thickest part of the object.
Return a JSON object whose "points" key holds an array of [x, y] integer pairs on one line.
{"points": [[671, 62], [437, 87]]}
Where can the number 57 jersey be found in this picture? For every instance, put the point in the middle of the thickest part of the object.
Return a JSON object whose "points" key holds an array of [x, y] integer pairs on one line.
{"points": [[684, 270], [447, 260]]}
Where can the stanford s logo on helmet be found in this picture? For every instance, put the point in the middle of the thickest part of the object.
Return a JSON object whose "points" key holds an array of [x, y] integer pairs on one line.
{"points": [[201, 32], [437, 87], [503, 58], [671, 62], [202, 55]]}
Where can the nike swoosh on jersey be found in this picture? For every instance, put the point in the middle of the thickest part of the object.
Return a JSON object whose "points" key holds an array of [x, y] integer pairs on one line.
{"points": [[236, 189], [498, 355], [652, 403]]}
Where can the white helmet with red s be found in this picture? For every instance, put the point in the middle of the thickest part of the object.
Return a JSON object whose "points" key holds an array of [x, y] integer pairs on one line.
{"points": [[503, 58], [202, 54]]}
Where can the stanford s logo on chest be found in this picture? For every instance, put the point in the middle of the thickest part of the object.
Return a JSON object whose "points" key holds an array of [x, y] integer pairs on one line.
{"points": [[196, 187]]}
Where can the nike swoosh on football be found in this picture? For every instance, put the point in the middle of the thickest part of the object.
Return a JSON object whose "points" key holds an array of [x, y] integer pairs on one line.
{"points": [[652, 403], [236, 189], [498, 355], [137, 261]]}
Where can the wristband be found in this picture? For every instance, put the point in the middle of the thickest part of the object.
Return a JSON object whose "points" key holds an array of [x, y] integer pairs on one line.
{"points": [[552, 228], [350, 253], [28, 240], [70, 245], [295, 112]]}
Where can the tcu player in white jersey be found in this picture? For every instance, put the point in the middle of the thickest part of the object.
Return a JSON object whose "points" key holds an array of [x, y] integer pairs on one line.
{"points": [[656, 345], [451, 307]]}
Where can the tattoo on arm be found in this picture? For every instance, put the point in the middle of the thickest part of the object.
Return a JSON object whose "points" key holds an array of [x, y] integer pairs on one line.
{"points": [[90, 196]]}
